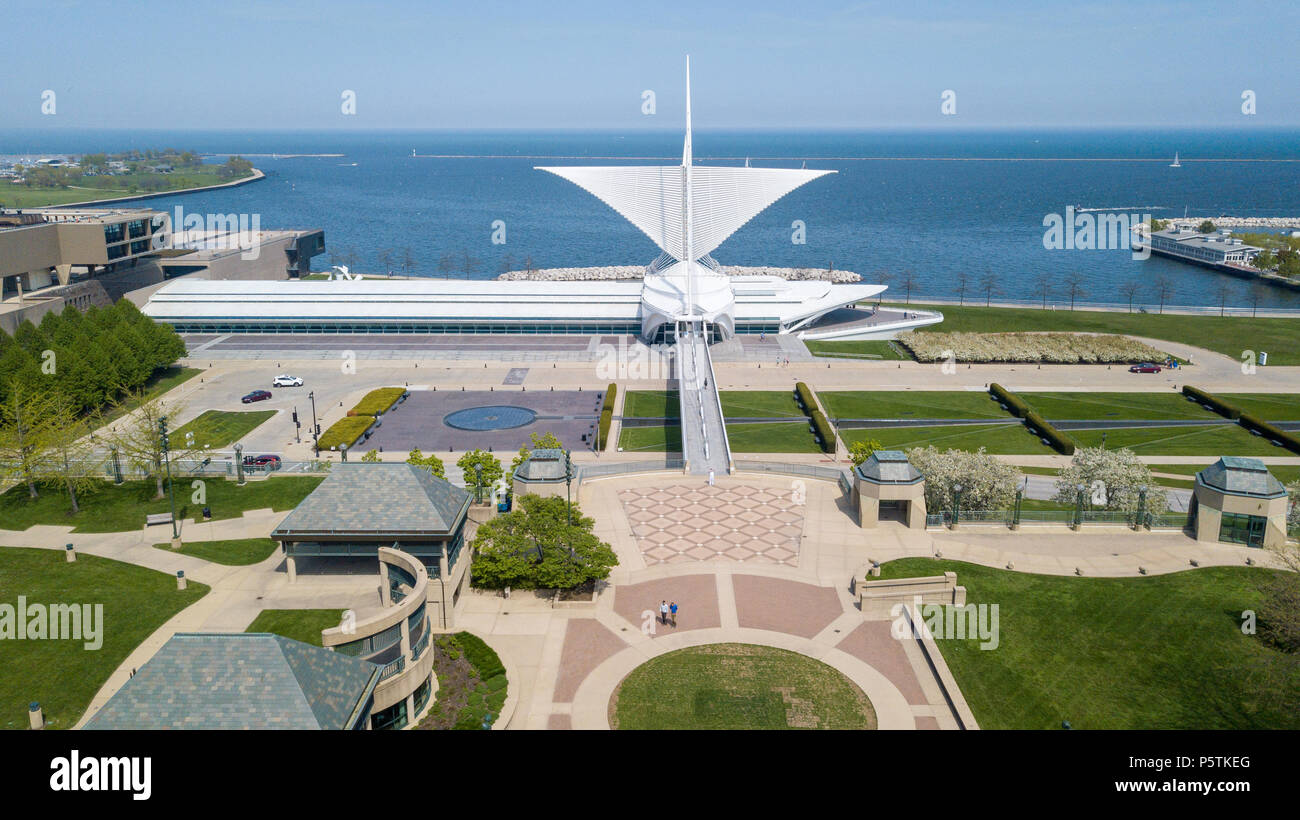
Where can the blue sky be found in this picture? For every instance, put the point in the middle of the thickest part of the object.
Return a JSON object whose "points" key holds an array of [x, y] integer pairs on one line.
{"points": [[811, 64]]}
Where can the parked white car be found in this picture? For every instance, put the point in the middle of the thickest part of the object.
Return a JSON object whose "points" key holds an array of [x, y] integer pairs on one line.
{"points": [[286, 381]]}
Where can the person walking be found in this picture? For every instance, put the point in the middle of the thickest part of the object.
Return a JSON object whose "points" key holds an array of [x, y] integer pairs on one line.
{"points": [[663, 612], [673, 610]]}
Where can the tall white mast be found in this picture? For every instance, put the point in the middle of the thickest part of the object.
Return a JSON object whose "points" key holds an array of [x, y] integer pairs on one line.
{"points": [[687, 216]]}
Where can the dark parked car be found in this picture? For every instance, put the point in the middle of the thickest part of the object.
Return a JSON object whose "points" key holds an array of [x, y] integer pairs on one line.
{"points": [[267, 463], [1145, 367], [256, 395]]}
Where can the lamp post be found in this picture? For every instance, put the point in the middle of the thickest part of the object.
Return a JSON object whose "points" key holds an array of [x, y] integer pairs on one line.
{"points": [[171, 491], [315, 438], [568, 485], [1078, 506], [956, 505], [1142, 507], [117, 466], [478, 483]]}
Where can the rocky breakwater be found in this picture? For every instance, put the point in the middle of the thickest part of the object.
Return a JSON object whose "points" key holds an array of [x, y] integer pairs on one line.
{"points": [[629, 272]]}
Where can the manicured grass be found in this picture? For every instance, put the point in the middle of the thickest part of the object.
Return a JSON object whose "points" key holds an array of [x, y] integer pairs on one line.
{"points": [[378, 401], [345, 431], [1119, 406], [660, 439], [1214, 441], [912, 404], [1160, 652], [220, 428], [882, 350], [298, 624], [738, 686], [88, 189], [772, 437], [62, 675], [759, 404], [1054, 471], [1007, 439], [237, 552], [651, 404], [1229, 335], [163, 380], [1267, 406], [116, 509]]}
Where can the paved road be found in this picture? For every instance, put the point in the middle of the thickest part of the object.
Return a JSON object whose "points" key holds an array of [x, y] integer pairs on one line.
{"points": [[1043, 488]]}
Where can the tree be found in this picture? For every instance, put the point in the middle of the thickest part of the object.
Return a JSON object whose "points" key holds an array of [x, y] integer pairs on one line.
{"points": [[1164, 286], [1158, 225], [862, 449], [1044, 284], [986, 482], [907, 281], [371, 457], [1221, 296], [989, 284], [1206, 226], [408, 261], [963, 282], [136, 435], [386, 259], [491, 468], [533, 546], [468, 264], [69, 449], [27, 432], [430, 462], [1111, 480], [1074, 286], [1129, 290]]}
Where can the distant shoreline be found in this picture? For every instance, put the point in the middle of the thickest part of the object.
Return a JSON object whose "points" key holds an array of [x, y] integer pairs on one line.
{"points": [[257, 175]]}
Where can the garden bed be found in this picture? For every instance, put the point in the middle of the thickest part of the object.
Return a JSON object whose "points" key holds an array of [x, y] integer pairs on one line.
{"points": [[1045, 348], [472, 684]]}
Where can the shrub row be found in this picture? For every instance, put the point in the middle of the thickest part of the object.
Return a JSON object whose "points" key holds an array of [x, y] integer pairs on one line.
{"points": [[1048, 348], [1271, 432], [825, 433], [482, 656], [606, 416], [377, 401], [1059, 441], [1018, 407], [805, 398], [1223, 408], [345, 431]]}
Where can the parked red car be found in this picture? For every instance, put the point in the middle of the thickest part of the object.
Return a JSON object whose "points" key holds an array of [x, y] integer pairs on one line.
{"points": [[256, 395], [267, 463], [1145, 367]]}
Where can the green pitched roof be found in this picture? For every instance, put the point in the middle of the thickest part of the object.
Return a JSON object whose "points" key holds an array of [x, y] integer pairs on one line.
{"points": [[379, 498], [241, 681], [1236, 475]]}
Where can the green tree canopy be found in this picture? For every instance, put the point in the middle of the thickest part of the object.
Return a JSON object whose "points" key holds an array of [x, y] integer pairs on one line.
{"points": [[534, 547]]}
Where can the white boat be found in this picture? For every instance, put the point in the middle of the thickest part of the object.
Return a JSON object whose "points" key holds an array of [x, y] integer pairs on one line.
{"points": [[1175, 163]]}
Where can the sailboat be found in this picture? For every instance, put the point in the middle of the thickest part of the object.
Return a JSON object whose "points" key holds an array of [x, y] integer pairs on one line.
{"points": [[1175, 163]]}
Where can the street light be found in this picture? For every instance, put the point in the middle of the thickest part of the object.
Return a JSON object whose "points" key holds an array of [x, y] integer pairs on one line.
{"points": [[478, 483], [1078, 505], [956, 504], [315, 427], [568, 485], [171, 491]]}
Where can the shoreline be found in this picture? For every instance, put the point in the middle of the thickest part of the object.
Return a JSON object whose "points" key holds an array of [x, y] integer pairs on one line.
{"points": [[257, 175]]}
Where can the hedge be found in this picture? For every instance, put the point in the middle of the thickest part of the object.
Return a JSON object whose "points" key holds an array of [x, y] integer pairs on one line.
{"points": [[1018, 407], [1059, 441], [1271, 432], [824, 430], [482, 656], [805, 397], [606, 416], [378, 401], [1219, 406], [345, 431]]}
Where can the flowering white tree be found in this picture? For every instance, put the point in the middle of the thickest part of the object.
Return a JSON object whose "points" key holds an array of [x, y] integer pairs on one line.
{"points": [[986, 483], [1111, 479]]}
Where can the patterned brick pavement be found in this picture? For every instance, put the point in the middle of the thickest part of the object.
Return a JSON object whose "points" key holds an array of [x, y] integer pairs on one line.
{"points": [[740, 523]]}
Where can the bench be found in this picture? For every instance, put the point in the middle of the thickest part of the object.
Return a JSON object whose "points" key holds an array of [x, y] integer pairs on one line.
{"points": [[157, 518]]}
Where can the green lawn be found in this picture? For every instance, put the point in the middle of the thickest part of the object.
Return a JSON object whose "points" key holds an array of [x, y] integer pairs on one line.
{"points": [[652, 404], [772, 437], [1267, 406], [1229, 335], [1006, 439], [87, 189], [759, 404], [661, 439], [1055, 471], [117, 509], [1119, 406], [882, 350], [1212, 441], [298, 624], [738, 686], [163, 380], [62, 675], [238, 552], [1161, 652], [912, 404], [220, 428]]}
